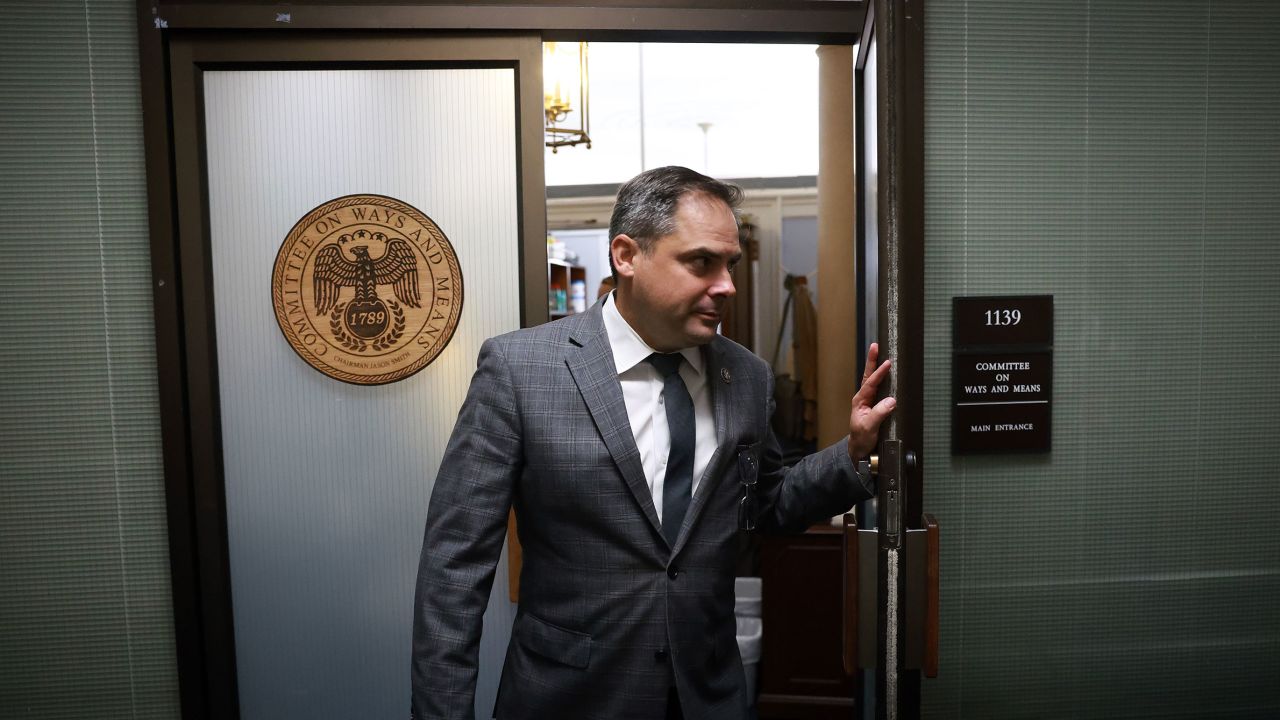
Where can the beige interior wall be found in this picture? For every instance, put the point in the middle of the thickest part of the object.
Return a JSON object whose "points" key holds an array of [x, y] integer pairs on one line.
{"points": [[838, 308]]}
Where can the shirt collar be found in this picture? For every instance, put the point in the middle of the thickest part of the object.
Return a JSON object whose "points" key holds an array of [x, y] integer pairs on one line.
{"points": [[628, 348]]}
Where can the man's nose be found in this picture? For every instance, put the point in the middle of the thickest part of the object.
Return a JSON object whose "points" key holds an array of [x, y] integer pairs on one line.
{"points": [[723, 285]]}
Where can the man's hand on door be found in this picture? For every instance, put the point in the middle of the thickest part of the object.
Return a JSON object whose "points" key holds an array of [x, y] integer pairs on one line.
{"points": [[865, 418]]}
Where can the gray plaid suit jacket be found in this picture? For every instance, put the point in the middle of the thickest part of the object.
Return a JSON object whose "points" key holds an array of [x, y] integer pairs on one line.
{"points": [[610, 615]]}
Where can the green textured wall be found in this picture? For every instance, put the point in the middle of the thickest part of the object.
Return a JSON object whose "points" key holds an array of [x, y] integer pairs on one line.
{"points": [[1125, 157], [86, 626]]}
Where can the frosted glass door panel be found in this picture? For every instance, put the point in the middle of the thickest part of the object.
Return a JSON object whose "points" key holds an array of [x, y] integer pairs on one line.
{"points": [[327, 484]]}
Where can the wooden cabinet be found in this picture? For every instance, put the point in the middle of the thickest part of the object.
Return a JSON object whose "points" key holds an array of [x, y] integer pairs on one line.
{"points": [[801, 674], [560, 278]]}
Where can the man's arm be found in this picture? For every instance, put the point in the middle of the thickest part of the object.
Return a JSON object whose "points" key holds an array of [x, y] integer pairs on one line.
{"points": [[825, 483], [466, 523]]}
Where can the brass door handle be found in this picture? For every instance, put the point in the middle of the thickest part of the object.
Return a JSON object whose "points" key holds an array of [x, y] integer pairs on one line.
{"points": [[870, 466]]}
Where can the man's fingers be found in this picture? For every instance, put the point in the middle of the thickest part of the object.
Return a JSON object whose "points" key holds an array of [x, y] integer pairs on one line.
{"points": [[866, 418], [882, 410], [873, 354], [871, 383], [867, 422]]}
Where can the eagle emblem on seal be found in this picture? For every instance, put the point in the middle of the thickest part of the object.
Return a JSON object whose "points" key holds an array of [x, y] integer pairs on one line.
{"points": [[366, 318]]}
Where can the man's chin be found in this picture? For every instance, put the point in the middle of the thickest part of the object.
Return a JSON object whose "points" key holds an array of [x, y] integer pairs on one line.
{"points": [[702, 331]]}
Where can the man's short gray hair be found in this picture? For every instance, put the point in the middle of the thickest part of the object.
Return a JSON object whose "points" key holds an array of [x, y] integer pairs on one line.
{"points": [[646, 206]]}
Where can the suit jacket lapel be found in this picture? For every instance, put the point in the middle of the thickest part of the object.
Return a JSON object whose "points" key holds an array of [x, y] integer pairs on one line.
{"points": [[720, 398], [591, 365]]}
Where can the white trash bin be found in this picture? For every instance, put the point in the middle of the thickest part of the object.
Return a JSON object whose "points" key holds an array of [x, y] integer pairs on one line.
{"points": [[746, 596], [746, 609], [750, 631]]}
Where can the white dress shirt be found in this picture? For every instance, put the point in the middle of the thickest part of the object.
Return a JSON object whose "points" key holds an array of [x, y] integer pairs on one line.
{"points": [[642, 393]]}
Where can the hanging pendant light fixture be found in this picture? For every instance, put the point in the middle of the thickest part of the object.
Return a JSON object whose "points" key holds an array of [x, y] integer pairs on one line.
{"points": [[566, 94]]}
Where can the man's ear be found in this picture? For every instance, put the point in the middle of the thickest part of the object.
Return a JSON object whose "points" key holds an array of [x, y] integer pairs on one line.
{"points": [[623, 249]]}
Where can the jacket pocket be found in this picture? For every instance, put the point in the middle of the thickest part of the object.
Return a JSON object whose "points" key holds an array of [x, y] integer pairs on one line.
{"points": [[553, 642]]}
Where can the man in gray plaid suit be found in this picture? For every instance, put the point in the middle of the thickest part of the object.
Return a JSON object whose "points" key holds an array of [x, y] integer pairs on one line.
{"points": [[634, 443]]}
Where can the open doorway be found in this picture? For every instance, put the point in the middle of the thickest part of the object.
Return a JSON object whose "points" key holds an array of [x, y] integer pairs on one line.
{"points": [[749, 114], [741, 112]]}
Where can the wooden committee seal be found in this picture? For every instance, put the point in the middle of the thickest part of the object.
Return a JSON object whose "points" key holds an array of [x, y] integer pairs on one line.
{"points": [[367, 289]]}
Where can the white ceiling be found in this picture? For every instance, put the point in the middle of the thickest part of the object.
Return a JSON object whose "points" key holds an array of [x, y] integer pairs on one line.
{"points": [[761, 101]]}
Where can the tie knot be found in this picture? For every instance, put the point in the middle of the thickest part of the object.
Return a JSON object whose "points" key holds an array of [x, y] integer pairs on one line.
{"points": [[666, 363]]}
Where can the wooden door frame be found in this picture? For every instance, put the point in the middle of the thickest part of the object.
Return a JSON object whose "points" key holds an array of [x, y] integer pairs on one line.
{"points": [[185, 349], [898, 28]]}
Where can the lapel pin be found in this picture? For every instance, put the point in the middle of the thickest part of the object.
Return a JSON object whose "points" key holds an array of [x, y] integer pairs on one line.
{"points": [[725, 376]]}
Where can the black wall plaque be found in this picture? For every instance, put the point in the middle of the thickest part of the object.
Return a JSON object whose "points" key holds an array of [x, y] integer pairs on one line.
{"points": [[1002, 320], [1002, 374], [1001, 401]]}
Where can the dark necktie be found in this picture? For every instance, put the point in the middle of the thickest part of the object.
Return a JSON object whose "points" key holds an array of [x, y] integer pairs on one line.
{"points": [[677, 488]]}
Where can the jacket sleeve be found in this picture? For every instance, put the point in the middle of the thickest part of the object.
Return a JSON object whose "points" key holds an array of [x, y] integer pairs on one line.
{"points": [[820, 486], [466, 524]]}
